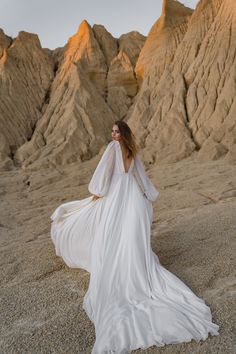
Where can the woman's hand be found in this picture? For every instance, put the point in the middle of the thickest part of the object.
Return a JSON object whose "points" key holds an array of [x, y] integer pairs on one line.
{"points": [[95, 197]]}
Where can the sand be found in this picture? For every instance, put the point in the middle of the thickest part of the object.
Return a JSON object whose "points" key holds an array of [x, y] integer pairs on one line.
{"points": [[193, 233]]}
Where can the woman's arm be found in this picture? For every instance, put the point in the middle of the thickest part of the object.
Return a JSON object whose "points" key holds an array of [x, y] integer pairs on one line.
{"points": [[147, 187], [101, 178]]}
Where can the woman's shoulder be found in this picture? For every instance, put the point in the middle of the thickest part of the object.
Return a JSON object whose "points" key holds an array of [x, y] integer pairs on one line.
{"points": [[113, 144], [110, 147]]}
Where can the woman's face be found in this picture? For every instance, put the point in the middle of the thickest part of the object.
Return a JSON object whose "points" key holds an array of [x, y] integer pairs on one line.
{"points": [[115, 133]]}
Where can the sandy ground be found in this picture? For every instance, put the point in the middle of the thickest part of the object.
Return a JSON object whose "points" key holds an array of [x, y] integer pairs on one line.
{"points": [[194, 232]]}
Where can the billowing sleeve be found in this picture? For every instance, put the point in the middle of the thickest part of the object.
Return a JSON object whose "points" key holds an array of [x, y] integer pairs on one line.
{"points": [[100, 181], [143, 180]]}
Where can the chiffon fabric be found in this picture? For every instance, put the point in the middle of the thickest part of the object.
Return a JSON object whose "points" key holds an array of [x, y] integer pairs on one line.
{"points": [[132, 300]]}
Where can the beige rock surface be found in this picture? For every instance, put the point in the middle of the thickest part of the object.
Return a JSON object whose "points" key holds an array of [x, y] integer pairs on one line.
{"points": [[163, 40], [190, 106], [107, 43], [75, 122], [5, 42], [122, 85], [193, 233], [177, 91], [91, 84], [26, 73], [132, 43]]}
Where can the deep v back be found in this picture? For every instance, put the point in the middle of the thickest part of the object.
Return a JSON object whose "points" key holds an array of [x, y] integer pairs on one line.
{"points": [[122, 159]]}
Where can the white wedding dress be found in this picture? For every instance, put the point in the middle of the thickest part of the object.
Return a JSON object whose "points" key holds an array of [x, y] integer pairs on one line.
{"points": [[132, 300]]}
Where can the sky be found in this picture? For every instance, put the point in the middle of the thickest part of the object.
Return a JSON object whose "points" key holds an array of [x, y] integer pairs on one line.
{"points": [[56, 20]]}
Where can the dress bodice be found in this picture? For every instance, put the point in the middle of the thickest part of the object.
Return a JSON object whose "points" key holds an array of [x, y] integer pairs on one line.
{"points": [[110, 170], [120, 166]]}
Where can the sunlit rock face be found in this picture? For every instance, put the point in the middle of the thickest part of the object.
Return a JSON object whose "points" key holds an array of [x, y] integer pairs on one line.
{"points": [[60, 105], [76, 121], [175, 88], [186, 104], [163, 39]]}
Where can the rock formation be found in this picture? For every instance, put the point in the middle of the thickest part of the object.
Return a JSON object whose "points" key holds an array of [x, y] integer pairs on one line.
{"points": [[163, 39], [176, 89], [77, 115], [26, 73], [74, 94], [122, 84], [189, 107]]}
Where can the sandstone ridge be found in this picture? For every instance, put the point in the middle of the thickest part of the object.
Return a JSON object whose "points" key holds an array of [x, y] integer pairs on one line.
{"points": [[176, 89], [58, 106], [188, 107]]}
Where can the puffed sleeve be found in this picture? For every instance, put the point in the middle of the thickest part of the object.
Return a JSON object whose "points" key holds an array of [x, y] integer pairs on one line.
{"points": [[143, 180], [100, 182]]}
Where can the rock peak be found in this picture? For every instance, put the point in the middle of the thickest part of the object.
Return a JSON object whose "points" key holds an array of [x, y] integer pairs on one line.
{"points": [[83, 34], [84, 27], [174, 9]]}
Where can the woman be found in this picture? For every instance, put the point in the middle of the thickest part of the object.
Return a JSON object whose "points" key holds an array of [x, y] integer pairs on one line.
{"points": [[132, 300]]}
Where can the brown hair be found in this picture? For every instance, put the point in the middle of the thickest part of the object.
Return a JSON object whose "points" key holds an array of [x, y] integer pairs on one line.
{"points": [[127, 137]]}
